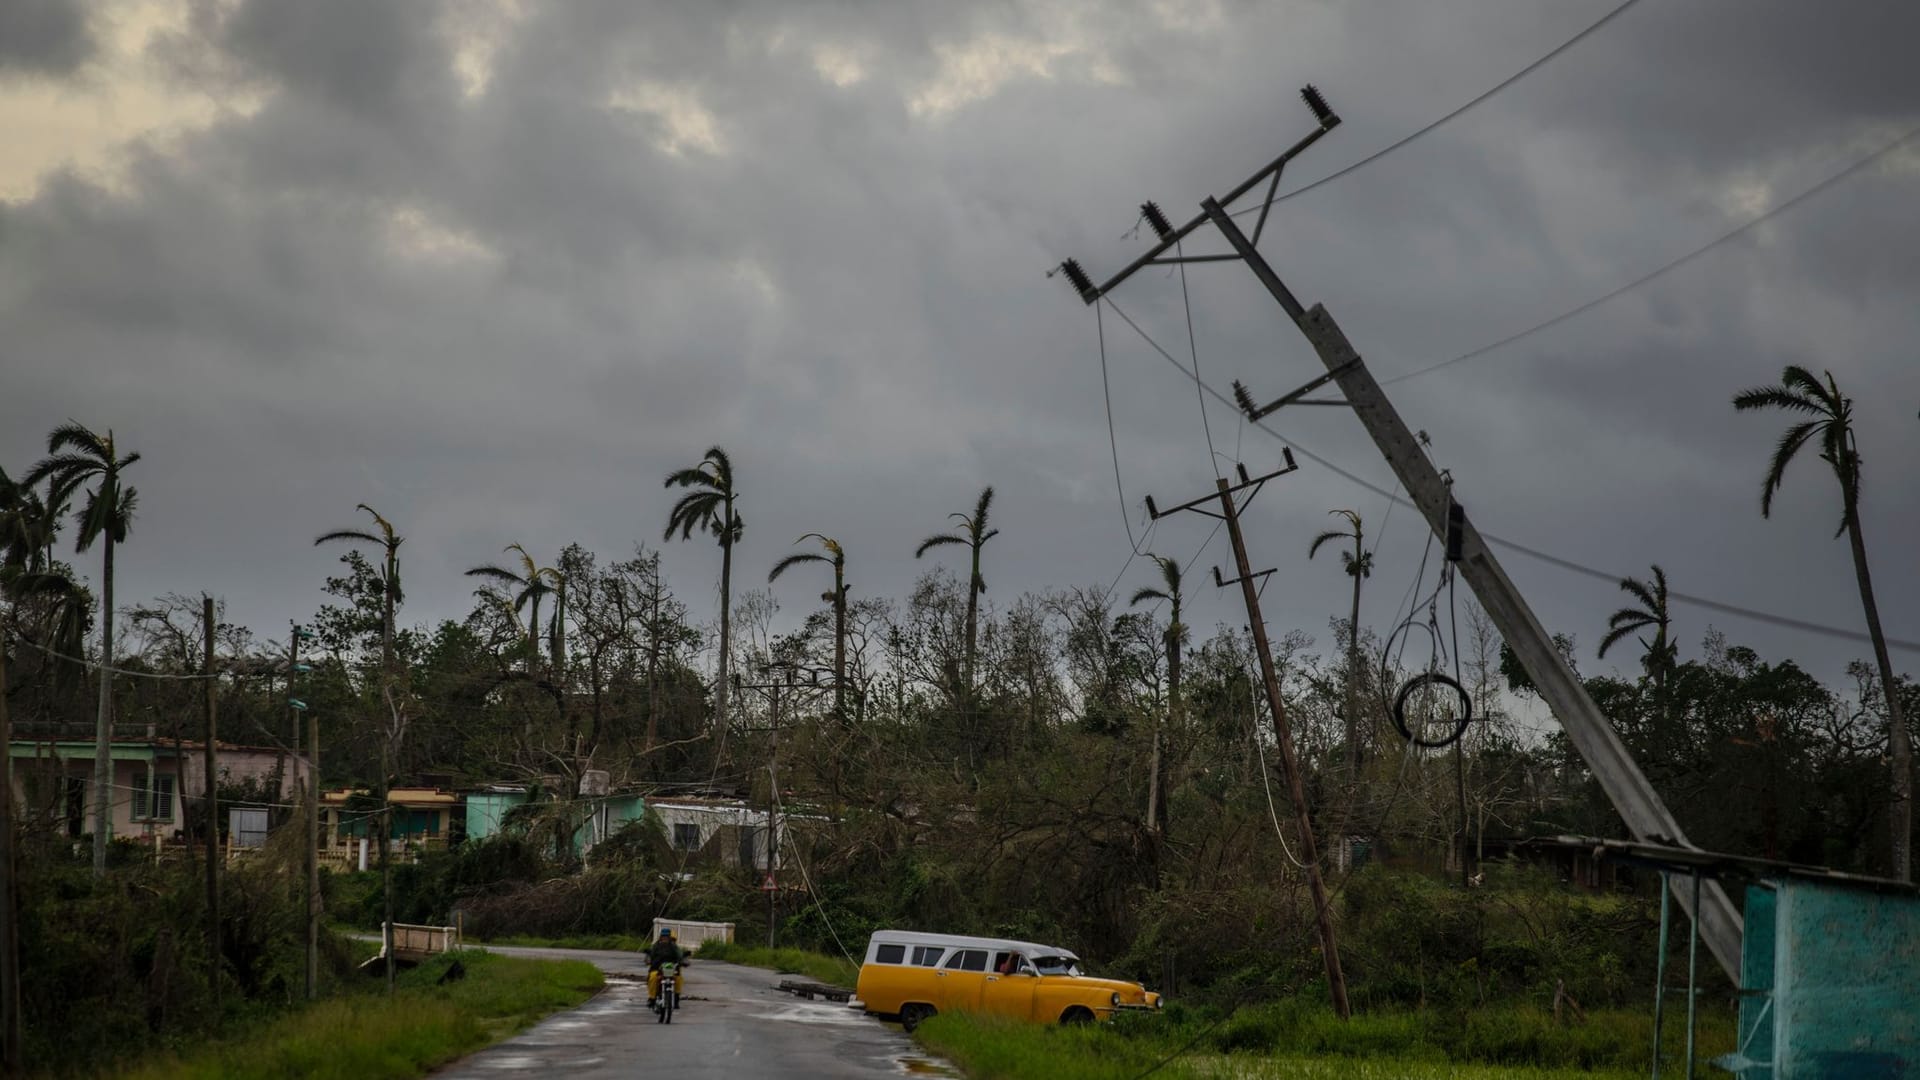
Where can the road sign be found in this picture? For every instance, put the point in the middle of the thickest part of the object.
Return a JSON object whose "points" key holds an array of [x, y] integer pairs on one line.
{"points": [[767, 884]]}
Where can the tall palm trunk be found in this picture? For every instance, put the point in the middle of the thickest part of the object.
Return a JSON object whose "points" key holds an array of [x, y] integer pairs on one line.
{"points": [[1155, 815], [653, 681], [726, 638], [386, 769], [1899, 747], [1353, 660], [839, 645], [103, 726], [973, 620]]}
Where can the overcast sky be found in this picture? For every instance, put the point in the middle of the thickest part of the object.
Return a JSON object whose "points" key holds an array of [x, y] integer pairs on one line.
{"points": [[496, 267]]}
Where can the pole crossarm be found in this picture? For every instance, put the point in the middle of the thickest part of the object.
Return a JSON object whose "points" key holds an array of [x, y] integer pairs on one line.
{"points": [[1255, 482], [1222, 583], [1244, 398]]}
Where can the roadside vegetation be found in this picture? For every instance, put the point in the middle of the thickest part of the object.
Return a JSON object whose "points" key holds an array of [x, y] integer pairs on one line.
{"points": [[368, 1036], [832, 970], [1299, 1039]]}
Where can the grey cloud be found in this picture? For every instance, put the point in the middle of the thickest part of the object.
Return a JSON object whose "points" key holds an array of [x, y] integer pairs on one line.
{"points": [[851, 298], [44, 37]]}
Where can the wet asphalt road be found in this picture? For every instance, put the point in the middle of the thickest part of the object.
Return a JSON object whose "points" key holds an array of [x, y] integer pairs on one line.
{"points": [[734, 1024]]}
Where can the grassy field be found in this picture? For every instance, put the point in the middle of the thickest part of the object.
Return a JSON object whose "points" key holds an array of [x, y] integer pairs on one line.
{"points": [[834, 971], [363, 1036], [1291, 1039]]}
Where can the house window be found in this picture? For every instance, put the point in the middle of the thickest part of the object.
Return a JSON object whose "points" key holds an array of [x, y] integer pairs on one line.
{"points": [[154, 803], [686, 837]]}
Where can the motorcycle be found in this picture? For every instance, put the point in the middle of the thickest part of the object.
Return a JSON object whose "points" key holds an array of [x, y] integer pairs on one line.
{"points": [[669, 998]]}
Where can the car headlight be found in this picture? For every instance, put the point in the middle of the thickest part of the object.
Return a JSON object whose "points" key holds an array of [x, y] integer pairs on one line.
{"points": [[1116, 999]]}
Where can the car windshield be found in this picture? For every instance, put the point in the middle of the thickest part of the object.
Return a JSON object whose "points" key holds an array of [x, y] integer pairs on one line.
{"points": [[1056, 965]]}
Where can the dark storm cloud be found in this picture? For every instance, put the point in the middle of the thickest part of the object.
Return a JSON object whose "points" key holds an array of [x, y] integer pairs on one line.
{"points": [[816, 234], [43, 37]]}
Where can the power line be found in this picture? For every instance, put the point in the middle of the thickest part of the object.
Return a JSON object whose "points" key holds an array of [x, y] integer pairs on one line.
{"points": [[1483, 96], [1113, 439], [1708, 603], [1675, 264]]}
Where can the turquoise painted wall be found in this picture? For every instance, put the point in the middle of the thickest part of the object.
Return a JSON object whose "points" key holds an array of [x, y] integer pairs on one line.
{"points": [[1837, 970]]}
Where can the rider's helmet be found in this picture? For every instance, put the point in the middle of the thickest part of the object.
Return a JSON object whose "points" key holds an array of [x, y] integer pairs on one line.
{"points": [[666, 933]]}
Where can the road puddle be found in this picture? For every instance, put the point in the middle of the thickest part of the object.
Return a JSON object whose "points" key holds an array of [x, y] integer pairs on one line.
{"points": [[919, 1066]]}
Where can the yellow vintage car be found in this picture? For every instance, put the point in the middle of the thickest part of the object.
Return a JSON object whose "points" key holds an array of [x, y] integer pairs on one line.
{"points": [[909, 976]]}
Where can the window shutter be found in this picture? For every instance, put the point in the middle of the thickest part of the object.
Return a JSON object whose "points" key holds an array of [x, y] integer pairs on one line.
{"points": [[139, 800], [163, 798]]}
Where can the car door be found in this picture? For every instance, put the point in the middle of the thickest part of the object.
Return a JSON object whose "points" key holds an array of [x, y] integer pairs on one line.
{"points": [[959, 981], [1006, 992]]}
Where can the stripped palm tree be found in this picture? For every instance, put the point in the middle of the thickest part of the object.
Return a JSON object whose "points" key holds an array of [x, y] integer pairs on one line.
{"points": [[76, 456], [388, 576], [525, 588], [1359, 566], [1176, 636], [837, 556], [1661, 652], [1829, 421], [973, 533], [709, 507]]}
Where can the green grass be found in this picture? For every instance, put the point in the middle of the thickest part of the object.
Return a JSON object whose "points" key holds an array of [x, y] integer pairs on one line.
{"points": [[364, 1036], [1294, 1039], [832, 970]]}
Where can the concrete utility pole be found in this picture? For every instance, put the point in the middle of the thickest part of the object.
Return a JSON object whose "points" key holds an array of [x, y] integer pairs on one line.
{"points": [[10, 1063], [1283, 733], [211, 760], [1586, 726]]}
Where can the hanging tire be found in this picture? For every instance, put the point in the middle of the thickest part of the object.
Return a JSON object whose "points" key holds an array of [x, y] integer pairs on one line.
{"points": [[1451, 731]]}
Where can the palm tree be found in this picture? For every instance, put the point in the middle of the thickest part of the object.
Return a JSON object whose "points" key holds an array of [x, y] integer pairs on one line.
{"points": [[1359, 566], [709, 507], [971, 532], [1830, 420], [837, 556], [1651, 612], [526, 588], [1176, 635], [388, 541], [75, 457]]}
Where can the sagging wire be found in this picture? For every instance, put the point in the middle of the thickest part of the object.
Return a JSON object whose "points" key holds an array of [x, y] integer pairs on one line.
{"points": [[779, 808]]}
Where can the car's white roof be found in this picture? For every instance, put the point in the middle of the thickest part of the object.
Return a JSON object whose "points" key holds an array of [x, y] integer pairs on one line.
{"points": [[958, 941]]}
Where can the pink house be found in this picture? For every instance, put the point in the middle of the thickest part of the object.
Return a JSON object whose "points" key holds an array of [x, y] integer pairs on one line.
{"points": [[53, 781]]}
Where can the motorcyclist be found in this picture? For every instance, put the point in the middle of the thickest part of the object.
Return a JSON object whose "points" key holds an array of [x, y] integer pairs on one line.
{"points": [[665, 950]]}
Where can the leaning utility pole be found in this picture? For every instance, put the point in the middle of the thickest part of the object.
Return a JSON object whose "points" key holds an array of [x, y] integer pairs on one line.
{"points": [[213, 801], [10, 1061], [1283, 733], [1586, 726]]}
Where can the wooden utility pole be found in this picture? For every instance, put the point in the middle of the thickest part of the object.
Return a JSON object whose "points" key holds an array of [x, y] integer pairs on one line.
{"points": [[10, 1061], [1587, 728], [211, 760], [1283, 733], [775, 694], [298, 708]]}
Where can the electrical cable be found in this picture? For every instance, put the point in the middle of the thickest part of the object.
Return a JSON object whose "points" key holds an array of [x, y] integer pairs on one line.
{"points": [[1113, 439], [110, 669], [1723, 607], [779, 807], [1483, 96], [1193, 350], [1674, 264]]}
